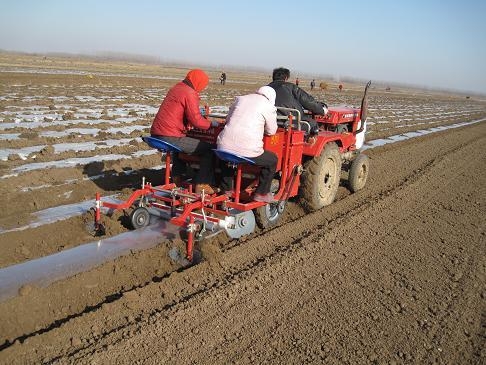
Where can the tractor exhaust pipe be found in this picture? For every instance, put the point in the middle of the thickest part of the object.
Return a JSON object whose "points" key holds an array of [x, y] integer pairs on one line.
{"points": [[364, 109]]}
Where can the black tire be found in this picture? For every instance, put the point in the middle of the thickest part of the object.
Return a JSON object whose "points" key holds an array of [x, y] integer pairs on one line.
{"points": [[140, 217], [320, 179], [269, 215], [358, 173]]}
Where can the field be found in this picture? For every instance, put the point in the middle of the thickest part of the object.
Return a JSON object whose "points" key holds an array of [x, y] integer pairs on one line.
{"points": [[393, 274]]}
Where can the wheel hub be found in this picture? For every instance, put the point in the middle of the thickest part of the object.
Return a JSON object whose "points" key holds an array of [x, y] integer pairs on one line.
{"points": [[243, 223]]}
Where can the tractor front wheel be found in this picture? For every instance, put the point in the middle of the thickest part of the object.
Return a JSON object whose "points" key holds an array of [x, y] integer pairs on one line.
{"points": [[320, 179], [358, 173]]}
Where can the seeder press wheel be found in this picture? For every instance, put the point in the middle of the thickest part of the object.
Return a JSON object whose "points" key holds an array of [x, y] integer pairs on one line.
{"points": [[139, 217], [269, 215]]}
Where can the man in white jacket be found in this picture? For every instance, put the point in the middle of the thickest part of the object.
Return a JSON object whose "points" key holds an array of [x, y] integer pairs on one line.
{"points": [[249, 118]]}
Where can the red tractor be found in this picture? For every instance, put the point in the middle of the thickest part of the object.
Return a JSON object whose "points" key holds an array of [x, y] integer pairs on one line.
{"points": [[308, 168]]}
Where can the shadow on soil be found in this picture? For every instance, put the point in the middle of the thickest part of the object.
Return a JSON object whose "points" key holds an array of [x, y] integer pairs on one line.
{"points": [[112, 180]]}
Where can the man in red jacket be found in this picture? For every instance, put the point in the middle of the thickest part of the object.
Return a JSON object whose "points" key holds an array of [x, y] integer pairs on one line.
{"points": [[179, 112]]}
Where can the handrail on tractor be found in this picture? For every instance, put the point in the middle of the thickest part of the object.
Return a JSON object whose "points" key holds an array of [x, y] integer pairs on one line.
{"points": [[279, 117], [286, 117]]}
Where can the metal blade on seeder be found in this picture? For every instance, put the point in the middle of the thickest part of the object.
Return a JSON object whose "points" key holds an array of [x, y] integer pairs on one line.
{"points": [[96, 230]]}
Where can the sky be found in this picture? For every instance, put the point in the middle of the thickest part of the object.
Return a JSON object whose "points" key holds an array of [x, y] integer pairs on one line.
{"points": [[426, 43]]}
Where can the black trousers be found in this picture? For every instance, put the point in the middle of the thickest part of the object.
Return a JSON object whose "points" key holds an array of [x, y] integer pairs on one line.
{"points": [[267, 162], [193, 146]]}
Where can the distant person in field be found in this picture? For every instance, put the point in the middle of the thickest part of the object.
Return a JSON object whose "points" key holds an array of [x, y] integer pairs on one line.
{"points": [[313, 84], [249, 118], [292, 96], [177, 114], [222, 78], [297, 81]]}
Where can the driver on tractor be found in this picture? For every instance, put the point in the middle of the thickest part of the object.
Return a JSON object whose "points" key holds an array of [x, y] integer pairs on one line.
{"points": [[292, 96]]}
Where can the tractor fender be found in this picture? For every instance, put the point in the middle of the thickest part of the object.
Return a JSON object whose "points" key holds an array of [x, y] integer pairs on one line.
{"points": [[322, 139]]}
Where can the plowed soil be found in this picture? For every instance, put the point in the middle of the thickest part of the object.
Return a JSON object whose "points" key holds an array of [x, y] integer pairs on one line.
{"points": [[395, 273]]}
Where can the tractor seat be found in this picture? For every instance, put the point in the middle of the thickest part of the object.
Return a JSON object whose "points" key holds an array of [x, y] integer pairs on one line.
{"points": [[160, 144], [232, 158]]}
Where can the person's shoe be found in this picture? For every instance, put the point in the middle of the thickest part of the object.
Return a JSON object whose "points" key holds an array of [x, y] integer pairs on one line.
{"points": [[206, 187], [265, 198]]}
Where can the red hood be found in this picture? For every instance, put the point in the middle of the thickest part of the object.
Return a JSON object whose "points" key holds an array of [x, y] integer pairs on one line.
{"points": [[198, 79]]}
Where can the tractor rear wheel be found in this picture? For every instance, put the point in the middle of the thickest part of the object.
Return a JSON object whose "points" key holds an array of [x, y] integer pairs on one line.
{"points": [[320, 179], [358, 173]]}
